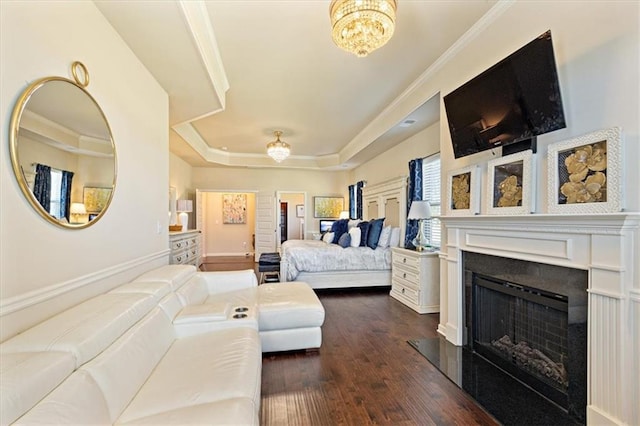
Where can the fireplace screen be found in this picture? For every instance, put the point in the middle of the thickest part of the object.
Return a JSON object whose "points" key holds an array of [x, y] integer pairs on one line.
{"points": [[523, 330]]}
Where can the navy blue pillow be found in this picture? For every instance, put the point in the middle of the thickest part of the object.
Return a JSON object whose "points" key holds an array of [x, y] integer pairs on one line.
{"points": [[364, 231], [374, 233], [345, 240], [338, 228]]}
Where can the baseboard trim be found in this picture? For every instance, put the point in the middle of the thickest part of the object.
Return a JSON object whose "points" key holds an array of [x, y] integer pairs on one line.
{"points": [[26, 300]]}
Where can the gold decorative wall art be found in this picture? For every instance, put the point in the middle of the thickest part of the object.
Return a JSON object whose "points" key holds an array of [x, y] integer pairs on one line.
{"points": [[510, 184], [463, 192]]}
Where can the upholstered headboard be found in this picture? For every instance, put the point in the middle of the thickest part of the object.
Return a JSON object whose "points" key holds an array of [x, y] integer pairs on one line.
{"points": [[387, 199]]}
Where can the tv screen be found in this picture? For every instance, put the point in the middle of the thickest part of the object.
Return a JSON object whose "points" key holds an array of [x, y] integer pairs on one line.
{"points": [[516, 99], [325, 225]]}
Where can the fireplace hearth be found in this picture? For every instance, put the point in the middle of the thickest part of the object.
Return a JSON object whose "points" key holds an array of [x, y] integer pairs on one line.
{"points": [[529, 320]]}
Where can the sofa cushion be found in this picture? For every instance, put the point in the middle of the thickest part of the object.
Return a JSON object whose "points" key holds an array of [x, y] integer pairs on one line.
{"points": [[175, 275], [288, 305], [86, 329], [123, 367], [237, 411], [157, 289], [194, 291], [77, 401], [199, 370], [21, 389]]}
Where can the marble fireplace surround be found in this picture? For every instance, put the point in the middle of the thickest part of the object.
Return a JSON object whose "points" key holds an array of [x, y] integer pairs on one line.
{"points": [[608, 247]]}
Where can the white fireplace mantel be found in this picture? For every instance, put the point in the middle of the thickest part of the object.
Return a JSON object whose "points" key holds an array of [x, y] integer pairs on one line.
{"points": [[608, 247]]}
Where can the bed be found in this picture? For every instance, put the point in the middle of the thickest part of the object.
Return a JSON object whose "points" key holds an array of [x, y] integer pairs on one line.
{"points": [[324, 265]]}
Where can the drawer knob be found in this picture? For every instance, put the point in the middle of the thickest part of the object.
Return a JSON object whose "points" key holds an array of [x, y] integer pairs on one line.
{"points": [[404, 275], [404, 260], [403, 291], [179, 245], [179, 258]]}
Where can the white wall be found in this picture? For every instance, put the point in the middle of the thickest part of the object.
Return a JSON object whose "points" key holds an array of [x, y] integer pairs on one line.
{"points": [[40, 262], [597, 53], [395, 161]]}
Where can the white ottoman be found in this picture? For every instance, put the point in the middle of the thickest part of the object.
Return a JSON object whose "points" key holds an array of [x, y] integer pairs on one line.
{"points": [[289, 317]]}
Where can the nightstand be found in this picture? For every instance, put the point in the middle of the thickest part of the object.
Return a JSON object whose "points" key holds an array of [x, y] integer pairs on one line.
{"points": [[415, 279]]}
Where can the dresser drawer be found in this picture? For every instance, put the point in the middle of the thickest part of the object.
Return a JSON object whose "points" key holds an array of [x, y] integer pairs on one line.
{"points": [[406, 276], [406, 262], [181, 244], [406, 292], [181, 258]]}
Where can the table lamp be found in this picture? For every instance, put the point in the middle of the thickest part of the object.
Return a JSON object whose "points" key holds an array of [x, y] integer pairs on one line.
{"points": [[76, 210], [184, 208], [420, 211]]}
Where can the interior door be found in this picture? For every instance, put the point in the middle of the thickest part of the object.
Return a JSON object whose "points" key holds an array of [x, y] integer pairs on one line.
{"points": [[266, 226]]}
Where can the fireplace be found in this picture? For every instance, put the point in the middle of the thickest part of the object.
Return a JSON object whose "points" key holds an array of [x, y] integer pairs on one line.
{"points": [[596, 252], [517, 316]]}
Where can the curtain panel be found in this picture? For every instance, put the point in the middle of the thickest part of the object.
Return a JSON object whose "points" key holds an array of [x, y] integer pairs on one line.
{"points": [[65, 194], [42, 186], [414, 193]]}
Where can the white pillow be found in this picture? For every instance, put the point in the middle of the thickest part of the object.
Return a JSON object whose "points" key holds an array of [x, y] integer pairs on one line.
{"points": [[328, 237], [353, 223], [356, 234], [385, 236], [394, 240]]}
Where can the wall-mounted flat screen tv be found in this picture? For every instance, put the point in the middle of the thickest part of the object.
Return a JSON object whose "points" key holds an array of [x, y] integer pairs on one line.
{"points": [[516, 99]]}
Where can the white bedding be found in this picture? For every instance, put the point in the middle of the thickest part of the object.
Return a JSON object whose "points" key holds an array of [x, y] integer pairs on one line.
{"points": [[318, 256]]}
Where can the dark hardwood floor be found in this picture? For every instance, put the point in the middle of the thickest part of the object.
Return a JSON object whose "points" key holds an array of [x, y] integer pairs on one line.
{"points": [[365, 372]]}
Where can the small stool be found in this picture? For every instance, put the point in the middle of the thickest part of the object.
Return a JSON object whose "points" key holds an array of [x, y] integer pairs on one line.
{"points": [[269, 267]]}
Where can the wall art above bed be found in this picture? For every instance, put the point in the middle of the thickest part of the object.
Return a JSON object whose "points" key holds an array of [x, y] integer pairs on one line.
{"points": [[327, 207]]}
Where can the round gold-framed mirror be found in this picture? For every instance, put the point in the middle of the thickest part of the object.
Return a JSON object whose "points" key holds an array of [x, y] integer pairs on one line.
{"points": [[62, 150]]}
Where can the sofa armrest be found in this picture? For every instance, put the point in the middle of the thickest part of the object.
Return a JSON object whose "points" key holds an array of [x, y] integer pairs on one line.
{"points": [[224, 281]]}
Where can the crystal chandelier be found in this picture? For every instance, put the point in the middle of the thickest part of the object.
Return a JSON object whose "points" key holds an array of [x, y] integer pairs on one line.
{"points": [[277, 149], [362, 26]]}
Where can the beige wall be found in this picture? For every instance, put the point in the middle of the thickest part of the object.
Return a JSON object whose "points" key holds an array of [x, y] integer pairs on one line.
{"points": [[180, 179], [314, 183], [224, 239], [295, 229], [44, 268]]}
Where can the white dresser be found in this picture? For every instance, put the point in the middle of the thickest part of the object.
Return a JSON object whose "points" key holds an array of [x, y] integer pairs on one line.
{"points": [[185, 248], [415, 279]]}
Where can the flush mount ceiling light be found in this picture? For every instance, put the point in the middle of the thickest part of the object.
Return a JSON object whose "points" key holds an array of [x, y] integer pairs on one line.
{"points": [[362, 26], [277, 149]]}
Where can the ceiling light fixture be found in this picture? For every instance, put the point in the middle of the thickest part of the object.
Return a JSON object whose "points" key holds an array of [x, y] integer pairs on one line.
{"points": [[362, 26], [277, 149]]}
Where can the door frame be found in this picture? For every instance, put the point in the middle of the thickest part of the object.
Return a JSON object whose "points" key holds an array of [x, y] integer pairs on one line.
{"points": [[304, 219]]}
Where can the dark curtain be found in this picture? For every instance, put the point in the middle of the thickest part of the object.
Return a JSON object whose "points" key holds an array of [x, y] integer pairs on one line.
{"points": [[352, 201], [359, 186], [414, 193], [65, 193], [42, 186], [355, 200]]}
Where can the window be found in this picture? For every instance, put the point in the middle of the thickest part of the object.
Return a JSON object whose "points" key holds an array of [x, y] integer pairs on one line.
{"points": [[431, 193], [56, 193]]}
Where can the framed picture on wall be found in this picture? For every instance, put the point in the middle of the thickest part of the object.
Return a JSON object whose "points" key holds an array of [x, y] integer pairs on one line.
{"points": [[327, 207], [95, 198], [234, 208], [463, 191], [299, 210], [510, 188], [585, 173]]}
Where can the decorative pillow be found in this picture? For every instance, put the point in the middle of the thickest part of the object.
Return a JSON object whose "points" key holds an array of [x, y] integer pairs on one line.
{"points": [[364, 228], [385, 237], [353, 223], [394, 240], [339, 227], [374, 233], [355, 236], [345, 240], [328, 237]]}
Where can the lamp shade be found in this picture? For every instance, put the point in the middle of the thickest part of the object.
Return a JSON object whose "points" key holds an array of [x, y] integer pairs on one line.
{"points": [[420, 210], [77, 208], [184, 206], [344, 214]]}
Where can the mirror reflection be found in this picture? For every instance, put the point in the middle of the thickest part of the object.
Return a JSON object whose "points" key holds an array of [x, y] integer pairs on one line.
{"points": [[63, 153]]}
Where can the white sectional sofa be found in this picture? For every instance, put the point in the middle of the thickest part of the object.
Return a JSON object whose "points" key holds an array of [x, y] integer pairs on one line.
{"points": [[174, 346]]}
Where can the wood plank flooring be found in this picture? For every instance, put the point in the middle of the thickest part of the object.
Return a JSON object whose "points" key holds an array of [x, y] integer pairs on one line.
{"points": [[365, 372]]}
